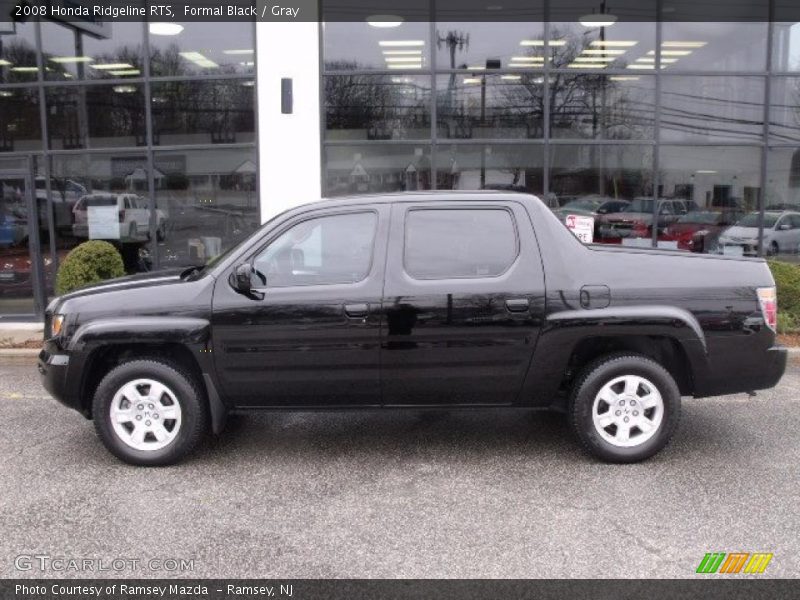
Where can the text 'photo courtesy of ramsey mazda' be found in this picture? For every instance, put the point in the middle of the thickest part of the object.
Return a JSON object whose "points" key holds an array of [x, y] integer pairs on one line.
{"points": [[421, 300]]}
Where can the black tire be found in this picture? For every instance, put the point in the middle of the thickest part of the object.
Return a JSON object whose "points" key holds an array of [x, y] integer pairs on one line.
{"points": [[194, 417], [161, 232], [589, 384], [774, 249]]}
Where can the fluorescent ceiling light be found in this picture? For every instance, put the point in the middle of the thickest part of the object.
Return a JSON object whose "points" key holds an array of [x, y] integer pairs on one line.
{"points": [[650, 59], [605, 52], [511, 77], [400, 59], [401, 80], [705, 172], [125, 73], [472, 80], [683, 44], [385, 20], [613, 43], [401, 43], [405, 66], [597, 20], [541, 43], [24, 69], [124, 89], [594, 59], [4, 63], [236, 52], [587, 65], [199, 59], [401, 52], [165, 28], [642, 66], [477, 68], [528, 58], [71, 59], [111, 66], [248, 63], [250, 83], [671, 53], [624, 78], [5, 94]]}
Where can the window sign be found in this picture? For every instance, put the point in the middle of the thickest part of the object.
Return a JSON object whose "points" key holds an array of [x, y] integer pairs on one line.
{"points": [[582, 227]]}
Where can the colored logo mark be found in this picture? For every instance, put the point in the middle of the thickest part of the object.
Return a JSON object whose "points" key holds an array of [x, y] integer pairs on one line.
{"points": [[734, 562]]}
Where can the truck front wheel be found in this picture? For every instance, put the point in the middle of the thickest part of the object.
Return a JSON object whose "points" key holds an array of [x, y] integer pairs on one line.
{"points": [[149, 412], [624, 408]]}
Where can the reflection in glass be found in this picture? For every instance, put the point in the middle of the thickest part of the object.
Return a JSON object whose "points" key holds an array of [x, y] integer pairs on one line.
{"points": [[377, 107], [784, 121], [486, 45], [195, 112], [482, 105], [602, 106], [95, 116], [376, 169], [617, 179], [72, 53], [209, 201], [16, 272], [721, 184], [20, 122], [786, 46], [622, 45], [359, 45], [199, 48], [511, 167], [712, 108], [17, 52], [703, 46]]}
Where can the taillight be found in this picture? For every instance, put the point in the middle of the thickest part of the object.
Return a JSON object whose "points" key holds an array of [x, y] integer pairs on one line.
{"points": [[768, 300]]}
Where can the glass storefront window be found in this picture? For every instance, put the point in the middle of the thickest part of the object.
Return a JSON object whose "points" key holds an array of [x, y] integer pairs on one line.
{"points": [[613, 184], [602, 106], [782, 197], [197, 48], [510, 167], [784, 121], [701, 46], [17, 52], [376, 168], [377, 107], [203, 112], [206, 202], [95, 116], [487, 105], [20, 122], [72, 53], [722, 186], [712, 108]]}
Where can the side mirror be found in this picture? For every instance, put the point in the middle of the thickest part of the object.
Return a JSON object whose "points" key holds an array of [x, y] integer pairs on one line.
{"points": [[785, 226], [242, 277]]}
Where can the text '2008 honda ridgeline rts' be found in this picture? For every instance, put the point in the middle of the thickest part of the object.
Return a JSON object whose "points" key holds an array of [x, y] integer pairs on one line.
{"points": [[416, 300]]}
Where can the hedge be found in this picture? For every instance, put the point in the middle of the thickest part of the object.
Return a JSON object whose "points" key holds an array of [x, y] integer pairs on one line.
{"points": [[787, 279], [90, 262]]}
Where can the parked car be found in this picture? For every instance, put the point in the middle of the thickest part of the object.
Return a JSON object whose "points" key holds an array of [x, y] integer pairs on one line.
{"points": [[133, 216], [699, 230], [414, 300], [64, 193], [592, 206], [636, 220], [16, 271], [781, 233]]}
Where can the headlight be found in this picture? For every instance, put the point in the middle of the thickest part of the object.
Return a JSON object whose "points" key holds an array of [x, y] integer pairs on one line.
{"points": [[57, 324]]}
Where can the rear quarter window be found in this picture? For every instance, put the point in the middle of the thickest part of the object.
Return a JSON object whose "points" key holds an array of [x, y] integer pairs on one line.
{"points": [[459, 243]]}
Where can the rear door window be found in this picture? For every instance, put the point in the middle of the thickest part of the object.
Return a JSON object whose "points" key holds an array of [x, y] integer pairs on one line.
{"points": [[459, 243]]}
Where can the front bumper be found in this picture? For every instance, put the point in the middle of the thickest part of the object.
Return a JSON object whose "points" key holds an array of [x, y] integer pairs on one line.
{"points": [[53, 366]]}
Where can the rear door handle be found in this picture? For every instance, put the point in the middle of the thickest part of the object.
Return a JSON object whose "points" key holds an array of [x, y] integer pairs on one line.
{"points": [[517, 305], [356, 311]]}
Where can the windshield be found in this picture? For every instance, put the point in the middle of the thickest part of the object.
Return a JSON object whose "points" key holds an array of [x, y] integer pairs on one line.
{"points": [[583, 204], [751, 220], [640, 205], [706, 218]]}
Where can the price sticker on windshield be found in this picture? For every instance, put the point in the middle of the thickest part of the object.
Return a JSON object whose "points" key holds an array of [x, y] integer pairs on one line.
{"points": [[582, 227]]}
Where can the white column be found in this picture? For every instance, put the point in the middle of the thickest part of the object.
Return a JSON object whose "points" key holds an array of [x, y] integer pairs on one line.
{"points": [[289, 144]]}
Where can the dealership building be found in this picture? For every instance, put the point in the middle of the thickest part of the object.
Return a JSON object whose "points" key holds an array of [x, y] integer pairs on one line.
{"points": [[174, 140]]}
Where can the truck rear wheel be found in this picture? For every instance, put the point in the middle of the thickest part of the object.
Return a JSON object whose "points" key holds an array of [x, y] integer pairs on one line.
{"points": [[624, 408], [149, 412]]}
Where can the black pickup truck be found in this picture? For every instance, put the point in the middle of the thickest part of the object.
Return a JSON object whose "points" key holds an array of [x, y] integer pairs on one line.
{"points": [[415, 300]]}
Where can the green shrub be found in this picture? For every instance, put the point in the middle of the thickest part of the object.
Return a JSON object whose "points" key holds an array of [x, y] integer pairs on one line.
{"points": [[90, 262], [787, 279]]}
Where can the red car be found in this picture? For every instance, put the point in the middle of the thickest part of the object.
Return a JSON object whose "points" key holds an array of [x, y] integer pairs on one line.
{"points": [[699, 230]]}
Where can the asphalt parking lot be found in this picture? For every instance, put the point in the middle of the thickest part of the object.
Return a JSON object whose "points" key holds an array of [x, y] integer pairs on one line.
{"points": [[403, 494]]}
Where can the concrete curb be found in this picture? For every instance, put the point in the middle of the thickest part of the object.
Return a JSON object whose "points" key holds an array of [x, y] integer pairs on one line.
{"points": [[6, 352]]}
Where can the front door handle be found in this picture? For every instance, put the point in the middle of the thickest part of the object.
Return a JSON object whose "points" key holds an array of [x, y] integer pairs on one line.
{"points": [[517, 305], [356, 311]]}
